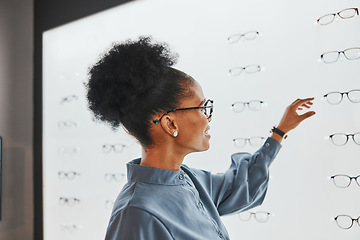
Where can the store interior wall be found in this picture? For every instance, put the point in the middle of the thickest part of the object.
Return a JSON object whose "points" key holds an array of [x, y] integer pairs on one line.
{"points": [[16, 118], [16, 98], [48, 15], [299, 189]]}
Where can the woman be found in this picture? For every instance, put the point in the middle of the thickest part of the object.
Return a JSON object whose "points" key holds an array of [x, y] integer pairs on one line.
{"points": [[134, 85]]}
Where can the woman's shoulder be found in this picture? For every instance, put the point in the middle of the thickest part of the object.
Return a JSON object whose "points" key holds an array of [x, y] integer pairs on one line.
{"points": [[144, 196]]}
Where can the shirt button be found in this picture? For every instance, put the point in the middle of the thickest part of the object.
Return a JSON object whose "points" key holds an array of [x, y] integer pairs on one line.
{"points": [[220, 235], [200, 205], [181, 177], [267, 145]]}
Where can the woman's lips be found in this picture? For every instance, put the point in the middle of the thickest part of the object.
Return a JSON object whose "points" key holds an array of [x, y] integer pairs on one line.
{"points": [[207, 132]]}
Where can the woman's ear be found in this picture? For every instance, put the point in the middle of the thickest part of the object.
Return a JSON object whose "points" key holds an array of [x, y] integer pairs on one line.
{"points": [[168, 123]]}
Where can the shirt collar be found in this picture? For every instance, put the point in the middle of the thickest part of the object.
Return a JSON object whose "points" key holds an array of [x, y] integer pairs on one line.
{"points": [[137, 172]]}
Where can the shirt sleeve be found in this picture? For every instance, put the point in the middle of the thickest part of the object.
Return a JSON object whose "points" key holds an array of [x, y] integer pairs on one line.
{"points": [[244, 184], [136, 224]]}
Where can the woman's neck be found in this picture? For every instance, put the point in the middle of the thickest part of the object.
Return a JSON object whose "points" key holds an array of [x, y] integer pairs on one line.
{"points": [[162, 157]]}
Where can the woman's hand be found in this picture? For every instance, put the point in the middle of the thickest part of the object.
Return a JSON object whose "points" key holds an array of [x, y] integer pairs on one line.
{"points": [[291, 118]]}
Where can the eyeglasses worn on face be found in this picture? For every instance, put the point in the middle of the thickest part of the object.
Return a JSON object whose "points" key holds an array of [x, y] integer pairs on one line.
{"points": [[208, 110]]}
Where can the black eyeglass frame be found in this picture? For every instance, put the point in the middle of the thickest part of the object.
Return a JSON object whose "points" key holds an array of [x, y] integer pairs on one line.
{"points": [[342, 96], [180, 109], [350, 179]]}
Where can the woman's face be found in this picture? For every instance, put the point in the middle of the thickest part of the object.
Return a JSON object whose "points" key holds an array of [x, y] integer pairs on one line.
{"points": [[193, 125]]}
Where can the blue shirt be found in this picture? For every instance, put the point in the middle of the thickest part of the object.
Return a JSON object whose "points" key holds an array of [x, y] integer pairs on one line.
{"points": [[159, 204]]}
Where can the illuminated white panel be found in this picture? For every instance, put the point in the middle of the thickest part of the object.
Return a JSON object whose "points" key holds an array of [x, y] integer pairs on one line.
{"points": [[300, 196]]}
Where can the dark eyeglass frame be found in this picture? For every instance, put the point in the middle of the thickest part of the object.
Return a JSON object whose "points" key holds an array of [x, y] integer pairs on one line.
{"points": [[342, 96], [350, 179], [352, 221], [180, 109], [352, 135]]}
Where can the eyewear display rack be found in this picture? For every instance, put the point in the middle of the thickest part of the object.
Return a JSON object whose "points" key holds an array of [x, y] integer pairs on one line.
{"points": [[84, 162]]}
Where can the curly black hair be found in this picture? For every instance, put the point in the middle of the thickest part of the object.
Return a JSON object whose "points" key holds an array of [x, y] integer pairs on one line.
{"points": [[132, 82]]}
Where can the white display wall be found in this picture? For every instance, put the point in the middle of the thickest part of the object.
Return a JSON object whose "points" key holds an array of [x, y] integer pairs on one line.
{"points": [[301, 198]]}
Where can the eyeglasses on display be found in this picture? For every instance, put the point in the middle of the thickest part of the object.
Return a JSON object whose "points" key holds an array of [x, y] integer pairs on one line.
{"points": [[117, 148], [344, 14], [259, 216], [336, 97], [333, 56], [67, 124], [117, 177], [68, 99], [68, 201], [68, 151], [254, 105], [251, 35], [254, 141], [235, 71], [344, 181], [69, 227], [345, 221], [340, 139], [69, 175], [207, 109]]}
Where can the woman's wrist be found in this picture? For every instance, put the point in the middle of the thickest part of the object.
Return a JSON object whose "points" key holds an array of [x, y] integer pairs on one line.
{"points": [[279, 133], [282, 128], [277, 137]]}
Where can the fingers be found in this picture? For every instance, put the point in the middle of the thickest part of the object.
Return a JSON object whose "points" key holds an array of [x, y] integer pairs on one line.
{"points": [[302, 102], [306, 105], [307, 115], [291, 118]]}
